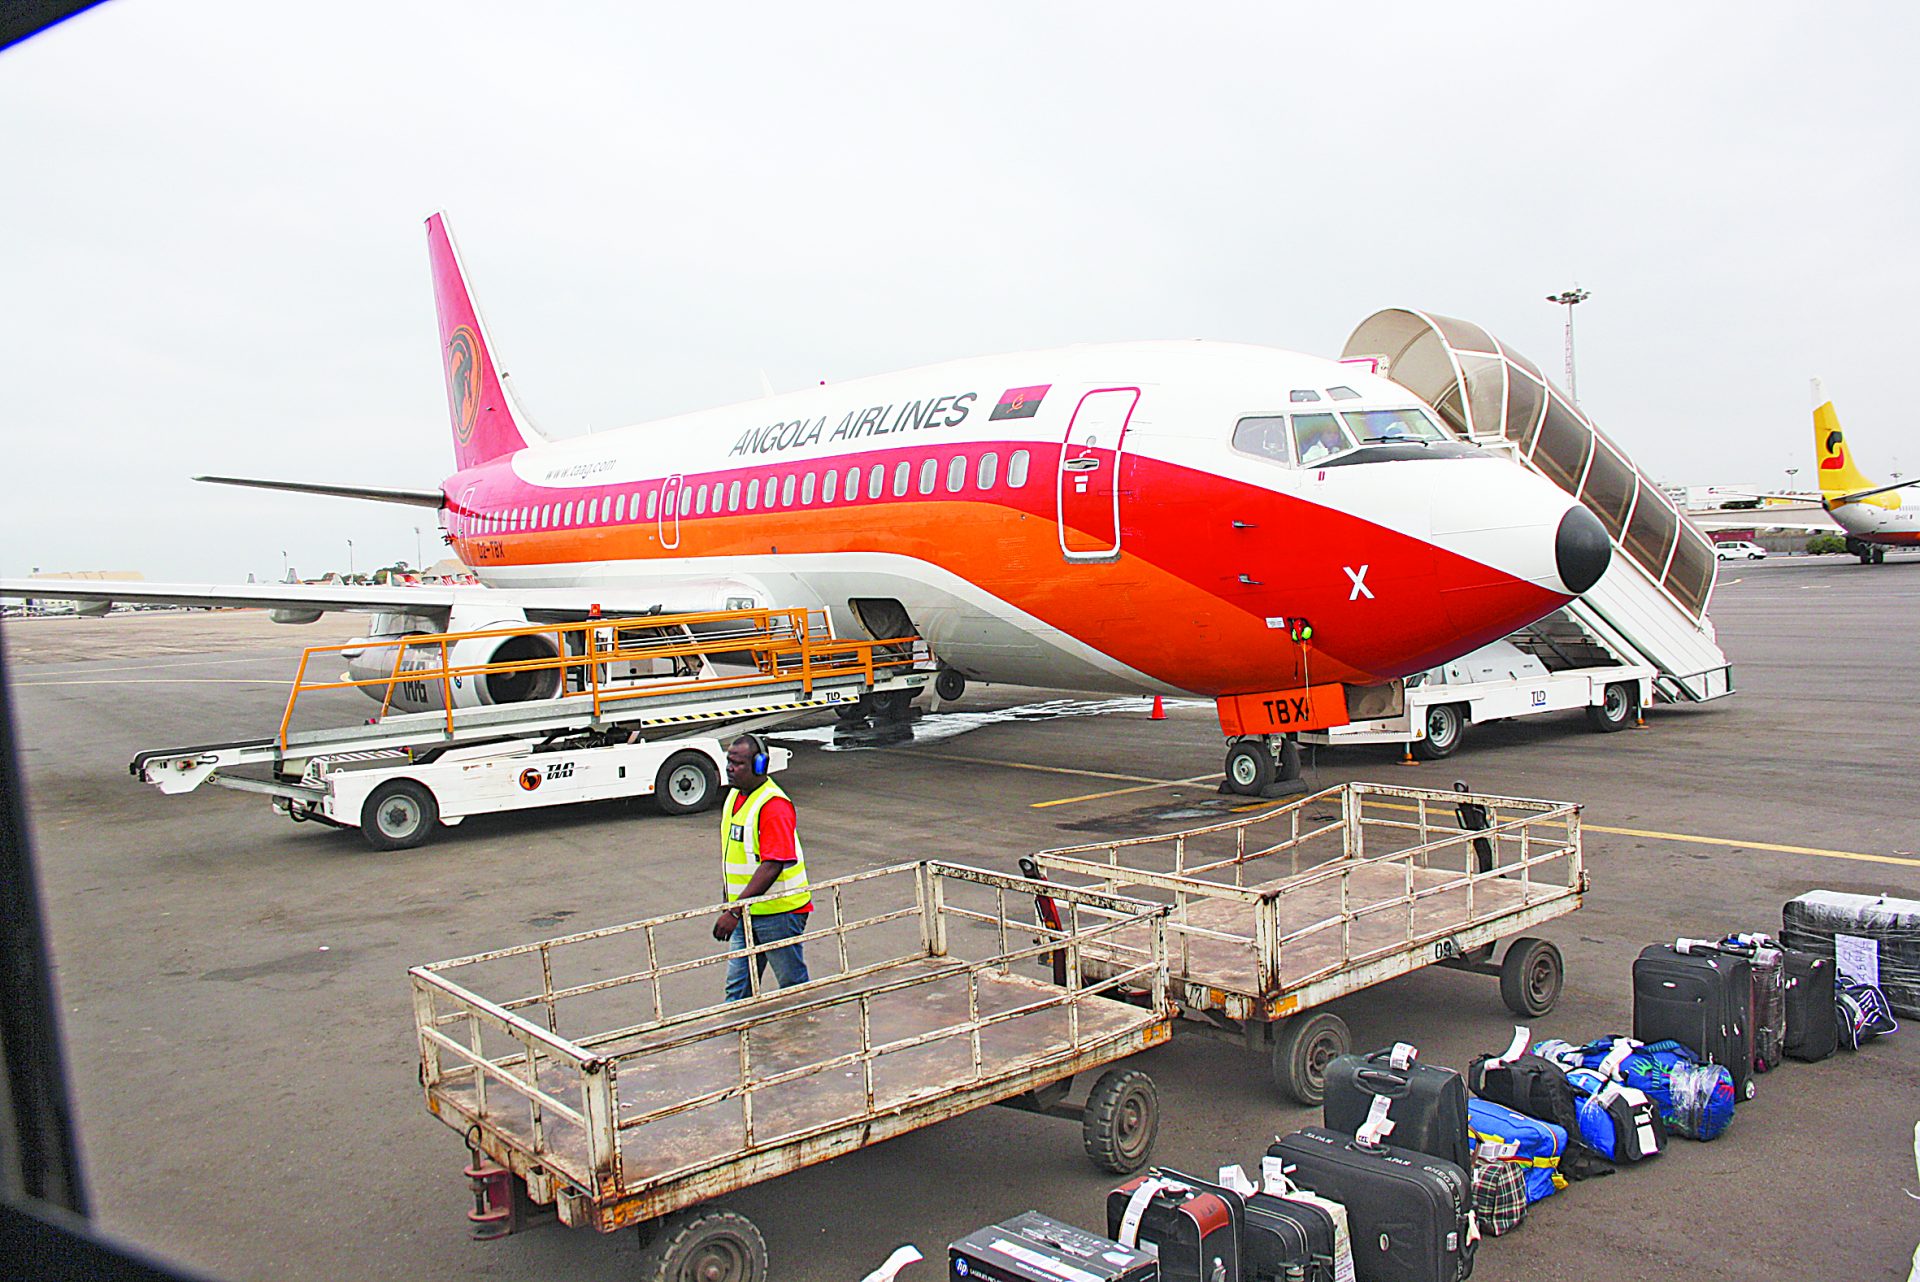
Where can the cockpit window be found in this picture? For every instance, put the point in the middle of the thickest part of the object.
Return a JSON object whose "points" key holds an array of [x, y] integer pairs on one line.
{"points": [[1303, 396], [1319, 436], [1373, 426], [1263, 437], [1343, 394]]}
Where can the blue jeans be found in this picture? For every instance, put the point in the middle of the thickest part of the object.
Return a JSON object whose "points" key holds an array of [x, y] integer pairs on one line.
{"points": [[789, 967]]}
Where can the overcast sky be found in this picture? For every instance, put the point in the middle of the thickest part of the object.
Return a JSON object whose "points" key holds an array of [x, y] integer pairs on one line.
{"points": [[212, 255]]}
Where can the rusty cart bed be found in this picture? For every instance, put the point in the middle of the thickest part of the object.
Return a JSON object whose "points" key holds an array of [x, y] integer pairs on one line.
{"points": [[598, 1072], [1280, 912]]}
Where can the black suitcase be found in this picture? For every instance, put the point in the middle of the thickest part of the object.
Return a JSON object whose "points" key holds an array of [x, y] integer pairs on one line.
{"points": [[1409, 1213], [1767, 1004], [1194, 1229], [1280, 1241], [1812, 1031], [1699, 999], [1537, 1087], [1428, 1103]]}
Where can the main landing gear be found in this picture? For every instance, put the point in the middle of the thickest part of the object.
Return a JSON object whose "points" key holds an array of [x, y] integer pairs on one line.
{"points": [[1263, 765]]}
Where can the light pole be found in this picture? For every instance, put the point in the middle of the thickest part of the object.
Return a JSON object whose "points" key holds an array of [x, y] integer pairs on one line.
{"points": [[1791, 473], [286, 566], [1569, 297], [349, 560], [418, 555]]}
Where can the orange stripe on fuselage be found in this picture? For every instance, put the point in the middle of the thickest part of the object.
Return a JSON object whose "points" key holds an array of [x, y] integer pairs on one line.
{"points": [[1174, 605]]}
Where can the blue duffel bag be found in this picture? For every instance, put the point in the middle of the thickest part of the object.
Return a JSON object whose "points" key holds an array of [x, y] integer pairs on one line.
{"points": [[1695, 1100], [1536, 1147]]}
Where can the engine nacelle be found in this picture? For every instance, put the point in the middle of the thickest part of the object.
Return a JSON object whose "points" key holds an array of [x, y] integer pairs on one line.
{"points": [[421, 688]]}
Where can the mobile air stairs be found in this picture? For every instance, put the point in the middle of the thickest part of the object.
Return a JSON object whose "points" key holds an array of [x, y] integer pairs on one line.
{"points": [[655, 678], [1650, 608]]}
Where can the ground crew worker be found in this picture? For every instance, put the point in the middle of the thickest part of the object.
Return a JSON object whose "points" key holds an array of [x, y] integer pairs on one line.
{"points": [[760, 854]]}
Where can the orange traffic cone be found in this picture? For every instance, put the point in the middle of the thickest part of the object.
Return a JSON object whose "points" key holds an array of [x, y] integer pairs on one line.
{"points": [[1159, 710]]}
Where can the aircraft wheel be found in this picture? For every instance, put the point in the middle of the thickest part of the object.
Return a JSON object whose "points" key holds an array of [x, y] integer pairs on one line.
{"points": [[1531, 976], [949, 685], [705, 1246], [1303, 1046], [687, 783], [399, 815], [1249, 767], [1615, 711], [1445, 726]]}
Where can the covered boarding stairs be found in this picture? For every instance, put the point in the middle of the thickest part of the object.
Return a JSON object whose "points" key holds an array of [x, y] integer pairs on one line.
{"points": [[1651, 605]]}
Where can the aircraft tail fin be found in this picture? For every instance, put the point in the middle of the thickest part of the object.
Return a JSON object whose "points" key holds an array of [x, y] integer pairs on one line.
{"points": [[1840, 478], [486, 422]]}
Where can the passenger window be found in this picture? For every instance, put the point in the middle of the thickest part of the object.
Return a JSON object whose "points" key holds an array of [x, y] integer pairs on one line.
{"points": [[806, 489], [786, 491], [566, 517], [753, 494], [733, 497], [989, 466], [929, 473], [853, 484], [829, 486], [700, 501], [686, 501], [902, 477], [1265, 437], [1017, 470], [620, 508], [1318, 436], [956, 473], [877, 480]]}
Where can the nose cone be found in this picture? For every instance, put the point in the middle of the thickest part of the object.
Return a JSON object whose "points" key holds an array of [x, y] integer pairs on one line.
{"points": [[1581, 549]]}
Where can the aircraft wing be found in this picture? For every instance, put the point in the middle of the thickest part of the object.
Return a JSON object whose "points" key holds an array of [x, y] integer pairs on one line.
{"points": [[540, 605]]}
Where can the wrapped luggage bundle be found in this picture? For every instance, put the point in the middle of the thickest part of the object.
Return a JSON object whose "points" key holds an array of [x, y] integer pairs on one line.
{"points": [[1696, 1100], [1890, 926]]}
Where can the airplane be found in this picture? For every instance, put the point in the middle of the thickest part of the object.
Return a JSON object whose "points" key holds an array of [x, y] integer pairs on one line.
{"points": [[1285, 534], [1871, 516]]}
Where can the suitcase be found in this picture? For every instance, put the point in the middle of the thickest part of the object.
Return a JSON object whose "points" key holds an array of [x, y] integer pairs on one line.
{"points": [[1428, 1103], [1810, 921], [1767, 999], [1280, 1241], [1410, 1213], [1499, 1197], [1812, 1031], [1699, 999], [1034, 1248], [1619, 1120], [1194, 1230], [1529, 1145]]}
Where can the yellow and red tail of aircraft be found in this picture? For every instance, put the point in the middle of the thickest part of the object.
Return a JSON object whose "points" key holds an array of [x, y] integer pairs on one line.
{"points": [[1839, 477]]}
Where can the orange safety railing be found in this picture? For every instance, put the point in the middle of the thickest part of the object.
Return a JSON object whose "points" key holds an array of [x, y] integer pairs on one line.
{"points": [[782, 645]]}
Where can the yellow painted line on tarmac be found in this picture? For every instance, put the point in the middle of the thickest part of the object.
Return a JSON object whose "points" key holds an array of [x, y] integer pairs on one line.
{"points": [[1121, 792], [1817, 851], [1052, 770]]}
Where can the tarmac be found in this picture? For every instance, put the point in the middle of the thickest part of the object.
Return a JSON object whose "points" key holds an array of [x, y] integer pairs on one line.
{"points": [[238, 1028]]}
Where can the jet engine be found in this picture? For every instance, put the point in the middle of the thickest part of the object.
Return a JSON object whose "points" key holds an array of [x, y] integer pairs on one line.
{"points": [[407, 642]]}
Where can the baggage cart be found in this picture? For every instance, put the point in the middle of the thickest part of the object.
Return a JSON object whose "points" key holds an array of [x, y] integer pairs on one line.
{"points": [[1283, 911], [600, 1074]]}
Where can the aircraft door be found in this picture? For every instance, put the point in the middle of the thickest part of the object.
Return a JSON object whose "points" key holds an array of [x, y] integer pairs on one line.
{"points": [[670, 513], [1089, 479]]}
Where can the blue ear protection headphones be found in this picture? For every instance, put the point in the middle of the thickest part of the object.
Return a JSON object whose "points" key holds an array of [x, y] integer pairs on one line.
{"points": [[760, 758]]}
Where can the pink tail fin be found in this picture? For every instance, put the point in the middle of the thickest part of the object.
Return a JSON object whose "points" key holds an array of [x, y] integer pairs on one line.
{"points": [[485, 422]]}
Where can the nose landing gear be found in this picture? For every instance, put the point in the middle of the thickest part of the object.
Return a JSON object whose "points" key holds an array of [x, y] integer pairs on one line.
{"points": [[1263, 765]]}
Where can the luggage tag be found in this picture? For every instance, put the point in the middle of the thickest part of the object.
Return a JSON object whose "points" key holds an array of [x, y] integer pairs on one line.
{"points": [[1374, 1131], [1275, 1181], [1136, 1211], [1235, 1178], [1403, 1056], [1497, 1150], [1515, 1049], [1610, 1066]]}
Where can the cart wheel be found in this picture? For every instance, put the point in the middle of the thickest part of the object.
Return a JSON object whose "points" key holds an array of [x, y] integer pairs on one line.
{"points": [[1531, 975], [1302, 1049], [687, 782], [1249, 767], [399, 815], [704, 1246], [1445, 726], [849, 713], [1616, 711], [1121, 1121], [892, 705]]}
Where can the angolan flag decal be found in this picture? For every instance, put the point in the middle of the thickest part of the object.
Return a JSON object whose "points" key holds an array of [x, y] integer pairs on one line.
{"points": [[1019, 402]]}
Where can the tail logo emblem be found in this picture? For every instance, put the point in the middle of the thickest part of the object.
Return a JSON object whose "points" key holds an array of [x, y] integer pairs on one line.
{"points": [[463, 381], [1836, 452]]}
